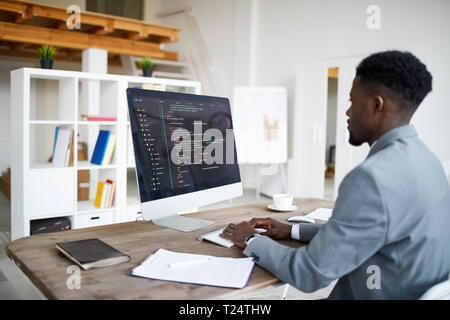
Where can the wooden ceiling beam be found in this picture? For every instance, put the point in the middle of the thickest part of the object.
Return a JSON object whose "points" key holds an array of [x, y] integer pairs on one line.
{"points": [[137, 36], [169, 35], [104, 30], [24, 16], [106, 23], [81, 41], [61, 25], [15, 6], [19, 46]]}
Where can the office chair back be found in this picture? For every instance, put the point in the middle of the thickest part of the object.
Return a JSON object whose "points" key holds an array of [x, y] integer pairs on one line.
{"points": [[441, 291]]}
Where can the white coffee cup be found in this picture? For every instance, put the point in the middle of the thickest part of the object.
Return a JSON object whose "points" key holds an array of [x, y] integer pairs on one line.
{"points": [[283, 201]]}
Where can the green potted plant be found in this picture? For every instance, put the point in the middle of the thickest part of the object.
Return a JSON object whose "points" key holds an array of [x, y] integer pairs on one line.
{"points": [[47, 53], [147, 66]]}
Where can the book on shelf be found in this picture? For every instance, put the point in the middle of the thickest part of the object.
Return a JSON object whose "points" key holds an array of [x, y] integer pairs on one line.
{"points": [[104, 148], [97, 118], [113, 192], [54, 140], [109, 152], [99, 194], [91, 253], [69, 158], [63, 147], [105, 194]]}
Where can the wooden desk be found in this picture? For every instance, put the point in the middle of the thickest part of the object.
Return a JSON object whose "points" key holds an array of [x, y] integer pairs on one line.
{"points": [[38, 258]]}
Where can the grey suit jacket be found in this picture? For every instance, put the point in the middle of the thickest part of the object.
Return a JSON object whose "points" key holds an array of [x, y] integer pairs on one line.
{"points": [[389, 235]]}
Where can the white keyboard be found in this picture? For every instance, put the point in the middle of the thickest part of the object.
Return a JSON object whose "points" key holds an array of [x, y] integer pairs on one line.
{"points": [[215, 237]]}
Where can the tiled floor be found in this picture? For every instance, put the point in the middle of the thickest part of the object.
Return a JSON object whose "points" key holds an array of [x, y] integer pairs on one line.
{"points": [[15, 285]]}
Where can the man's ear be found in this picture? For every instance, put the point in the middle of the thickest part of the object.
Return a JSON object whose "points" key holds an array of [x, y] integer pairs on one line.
{"points": [[375, 105]]}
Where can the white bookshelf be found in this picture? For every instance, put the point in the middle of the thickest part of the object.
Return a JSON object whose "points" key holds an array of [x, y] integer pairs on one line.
{"points": [[43, 99]]}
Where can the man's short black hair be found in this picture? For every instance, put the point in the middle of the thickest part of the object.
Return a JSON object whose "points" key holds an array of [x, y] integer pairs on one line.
{"points": [[406, 77]]}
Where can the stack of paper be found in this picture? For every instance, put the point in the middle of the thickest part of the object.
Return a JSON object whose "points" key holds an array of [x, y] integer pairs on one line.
{"points": [[321, 214], [196, 268]]}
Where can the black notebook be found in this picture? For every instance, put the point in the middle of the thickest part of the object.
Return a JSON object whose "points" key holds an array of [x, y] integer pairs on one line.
{"points": [[91, 253]]}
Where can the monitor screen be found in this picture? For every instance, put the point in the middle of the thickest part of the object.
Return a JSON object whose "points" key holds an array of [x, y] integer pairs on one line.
{"points": [[183, 143]]}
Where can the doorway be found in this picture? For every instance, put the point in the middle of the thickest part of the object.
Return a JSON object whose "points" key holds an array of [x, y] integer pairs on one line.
{"points": [[330, 141], [310, 151]]}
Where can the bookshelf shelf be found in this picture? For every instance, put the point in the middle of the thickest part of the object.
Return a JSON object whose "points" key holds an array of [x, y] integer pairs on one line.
{"points": [[52, 122], [86, 165], [47, 167], [89, 207], [44, 99], [97, 123]]}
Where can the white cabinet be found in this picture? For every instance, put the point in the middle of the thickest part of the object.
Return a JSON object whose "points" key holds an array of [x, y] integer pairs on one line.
{"points": [[93, 219], [51, 192], [43, 99]]}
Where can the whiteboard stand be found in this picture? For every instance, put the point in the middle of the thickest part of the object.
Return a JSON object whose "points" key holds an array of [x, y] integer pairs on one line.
{"points": [[276, 183]]}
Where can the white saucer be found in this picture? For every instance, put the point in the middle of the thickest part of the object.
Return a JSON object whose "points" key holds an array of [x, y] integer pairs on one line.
{"points": [[273, 207]]}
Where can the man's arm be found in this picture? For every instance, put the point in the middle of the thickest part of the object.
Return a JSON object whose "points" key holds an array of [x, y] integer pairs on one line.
{"points": [[355, 232], [307, 231]]}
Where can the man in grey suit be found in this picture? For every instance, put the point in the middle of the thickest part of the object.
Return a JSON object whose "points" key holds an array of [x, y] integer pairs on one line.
{"points": [[389, 235]]}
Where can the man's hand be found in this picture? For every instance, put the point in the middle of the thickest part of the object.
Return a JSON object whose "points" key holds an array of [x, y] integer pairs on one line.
{"points": [[238, 232], [275, 229]]}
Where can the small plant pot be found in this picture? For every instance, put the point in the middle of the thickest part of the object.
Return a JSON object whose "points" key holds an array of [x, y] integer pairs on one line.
{"points": [[47, 64], [147, 72]]}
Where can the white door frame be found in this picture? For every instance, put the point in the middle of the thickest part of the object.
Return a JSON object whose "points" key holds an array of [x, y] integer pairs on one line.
{"points": [[306, 168]]}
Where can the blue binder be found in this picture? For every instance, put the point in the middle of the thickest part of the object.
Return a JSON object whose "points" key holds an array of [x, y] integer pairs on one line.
{"points": [[100, 147]]}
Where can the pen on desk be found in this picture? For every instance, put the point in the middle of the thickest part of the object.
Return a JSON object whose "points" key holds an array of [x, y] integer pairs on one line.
{"points": [[183, 263]]}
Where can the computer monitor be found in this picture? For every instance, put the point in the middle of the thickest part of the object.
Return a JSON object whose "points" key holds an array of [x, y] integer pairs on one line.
{"points": [[185, 154]]}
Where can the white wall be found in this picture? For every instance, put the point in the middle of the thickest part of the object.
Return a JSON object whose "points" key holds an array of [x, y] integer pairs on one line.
{"points": [[298, 30], [215, 22]]}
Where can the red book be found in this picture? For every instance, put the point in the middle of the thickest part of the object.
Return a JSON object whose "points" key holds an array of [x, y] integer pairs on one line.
{"points": [[97, 118], [111, 195]]}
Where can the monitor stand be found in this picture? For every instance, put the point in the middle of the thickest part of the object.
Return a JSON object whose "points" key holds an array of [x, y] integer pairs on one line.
{"points": [[181, 223]]}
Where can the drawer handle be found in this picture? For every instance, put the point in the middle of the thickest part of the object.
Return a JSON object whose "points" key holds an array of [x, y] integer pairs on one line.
{"points": [[95, 218]]}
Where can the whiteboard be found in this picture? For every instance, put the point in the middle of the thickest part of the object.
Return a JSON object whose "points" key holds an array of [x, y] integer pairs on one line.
{"points": [[260, 124]]}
